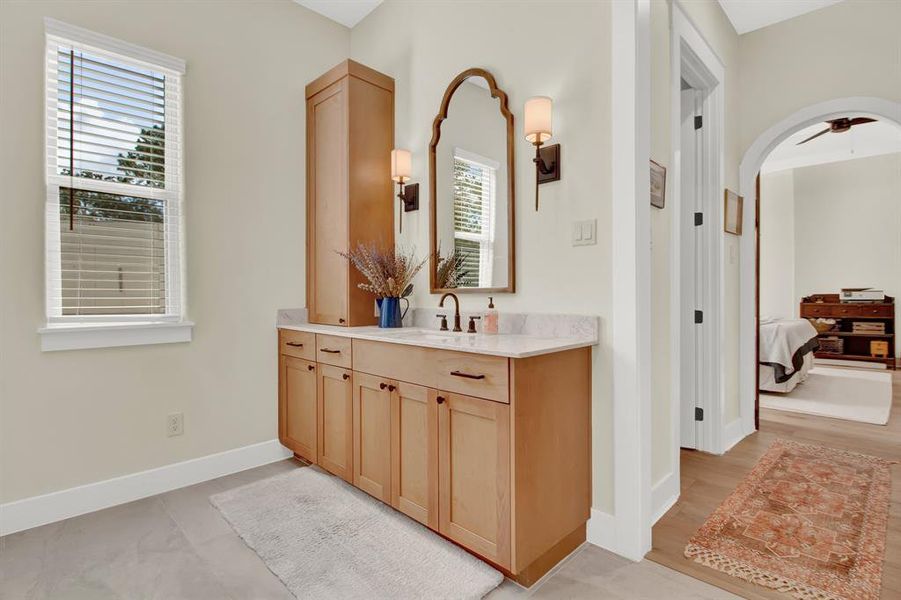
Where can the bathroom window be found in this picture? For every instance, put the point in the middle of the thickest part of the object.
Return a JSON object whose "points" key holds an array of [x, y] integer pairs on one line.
{"points": [[475, 189], [114, 182]]}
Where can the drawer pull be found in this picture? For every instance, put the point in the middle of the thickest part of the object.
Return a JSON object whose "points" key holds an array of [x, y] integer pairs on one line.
{"points": [[345, 376], [330, 351], [466, 375], [294, 344]]}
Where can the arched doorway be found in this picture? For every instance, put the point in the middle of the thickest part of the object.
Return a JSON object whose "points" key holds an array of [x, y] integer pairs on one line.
{"points": [[751, 163]]}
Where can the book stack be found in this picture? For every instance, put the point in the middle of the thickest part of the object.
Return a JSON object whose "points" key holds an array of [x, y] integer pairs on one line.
{"points": [[868, 327]]}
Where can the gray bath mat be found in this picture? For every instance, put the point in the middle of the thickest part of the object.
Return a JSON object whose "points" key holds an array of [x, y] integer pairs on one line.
{"points": [[326, 539]]}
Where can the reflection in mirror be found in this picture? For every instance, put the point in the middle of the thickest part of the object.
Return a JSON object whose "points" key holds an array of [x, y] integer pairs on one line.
{"points": [[471, 176]]}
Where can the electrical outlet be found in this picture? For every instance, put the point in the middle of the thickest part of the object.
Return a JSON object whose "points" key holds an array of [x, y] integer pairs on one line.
{"points": [[175, 424]]}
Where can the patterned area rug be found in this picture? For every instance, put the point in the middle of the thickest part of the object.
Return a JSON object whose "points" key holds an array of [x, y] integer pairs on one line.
{"points": [[807, 520]]}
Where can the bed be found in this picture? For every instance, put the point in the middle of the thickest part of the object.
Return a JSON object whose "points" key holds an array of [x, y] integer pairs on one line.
{"points": [[786, 353]]}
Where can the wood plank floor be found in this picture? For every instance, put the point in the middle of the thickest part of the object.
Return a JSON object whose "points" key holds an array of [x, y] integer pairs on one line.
{"points": [[707, 480]]}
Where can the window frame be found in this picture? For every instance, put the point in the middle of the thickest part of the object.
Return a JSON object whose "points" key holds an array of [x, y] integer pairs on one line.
{"points": [[64, 332], [489, 209]]}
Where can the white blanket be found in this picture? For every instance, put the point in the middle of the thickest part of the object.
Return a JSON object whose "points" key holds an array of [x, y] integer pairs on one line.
{"points": [[781, 338]]}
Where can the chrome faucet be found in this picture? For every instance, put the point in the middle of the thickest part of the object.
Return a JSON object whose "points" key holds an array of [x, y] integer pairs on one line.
{"points": [[457, 327]]}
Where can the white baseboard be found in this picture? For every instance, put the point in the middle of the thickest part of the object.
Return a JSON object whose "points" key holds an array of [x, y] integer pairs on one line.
{"points": [[601, 530], [56, 506], [664, 494], [733, 433]]}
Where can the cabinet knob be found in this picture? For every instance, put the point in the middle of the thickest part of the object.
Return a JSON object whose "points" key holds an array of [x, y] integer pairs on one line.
{"points": [[345, 376], [383, 386], [391, 388], [440, 399], [342, 321], [310, 367]]}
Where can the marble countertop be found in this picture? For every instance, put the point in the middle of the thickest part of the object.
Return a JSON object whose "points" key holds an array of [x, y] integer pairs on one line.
{"points": [[510, 345]]}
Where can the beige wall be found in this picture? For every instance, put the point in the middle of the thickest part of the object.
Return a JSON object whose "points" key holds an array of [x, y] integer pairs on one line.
{"points": [[777, 245], [70, 418], [852, 48], [420, 44], [844, 229], [716, 29]]}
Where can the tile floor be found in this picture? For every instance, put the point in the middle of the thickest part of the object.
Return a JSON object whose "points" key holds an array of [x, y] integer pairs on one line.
{"points": [[177, 546]]}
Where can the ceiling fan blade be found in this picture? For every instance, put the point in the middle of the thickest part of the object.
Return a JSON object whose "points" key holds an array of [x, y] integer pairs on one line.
{"points": [[860, 121], [816, 135]]}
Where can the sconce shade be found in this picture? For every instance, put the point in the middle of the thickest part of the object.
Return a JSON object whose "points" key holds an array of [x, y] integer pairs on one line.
{"points": [[538, 124], [401, 165]]}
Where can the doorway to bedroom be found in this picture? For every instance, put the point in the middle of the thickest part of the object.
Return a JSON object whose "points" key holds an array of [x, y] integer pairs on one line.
{"points": [[826, 220], [829, 241]]}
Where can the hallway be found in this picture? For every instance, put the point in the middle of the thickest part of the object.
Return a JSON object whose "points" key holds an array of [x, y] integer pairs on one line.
{"points": [[707, 480]]}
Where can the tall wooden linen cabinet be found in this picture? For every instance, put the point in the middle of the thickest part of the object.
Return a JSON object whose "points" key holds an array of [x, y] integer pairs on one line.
{"points": [[350, 135]]}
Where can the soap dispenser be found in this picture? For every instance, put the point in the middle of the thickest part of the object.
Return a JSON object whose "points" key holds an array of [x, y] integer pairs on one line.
{"points": [[490, 323]]}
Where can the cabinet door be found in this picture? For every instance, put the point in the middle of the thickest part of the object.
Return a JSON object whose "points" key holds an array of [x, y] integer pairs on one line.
{"points": [[297, 406], [414, 452], [474, 465], [327, 205], [372, 435], [335, 394]]}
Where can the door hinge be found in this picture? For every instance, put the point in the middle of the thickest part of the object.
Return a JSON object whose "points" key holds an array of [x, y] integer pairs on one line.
{"points": [[699, 316], [699, 219], [699, 121], [699, 413]]}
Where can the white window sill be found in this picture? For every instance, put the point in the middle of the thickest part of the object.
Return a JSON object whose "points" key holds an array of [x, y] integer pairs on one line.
{"points": [[78, 336]]}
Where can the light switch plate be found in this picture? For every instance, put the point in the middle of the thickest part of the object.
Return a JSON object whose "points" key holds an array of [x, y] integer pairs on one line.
{"points": [[585, 232]]}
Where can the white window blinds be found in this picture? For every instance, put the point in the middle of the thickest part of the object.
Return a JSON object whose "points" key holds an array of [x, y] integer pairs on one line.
{"points": [[114, 182], [474, 199]]}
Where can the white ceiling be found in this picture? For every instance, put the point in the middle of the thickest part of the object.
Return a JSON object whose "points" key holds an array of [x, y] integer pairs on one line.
{"points": [[869, 139], [346, 12], [748, 15]]}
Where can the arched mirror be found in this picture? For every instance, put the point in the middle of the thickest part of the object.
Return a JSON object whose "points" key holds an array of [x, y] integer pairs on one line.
{"points": [[471, 188]]}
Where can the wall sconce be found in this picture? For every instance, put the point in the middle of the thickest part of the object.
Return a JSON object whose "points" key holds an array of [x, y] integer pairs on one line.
{"points": [[408, 194], [538, 130]]}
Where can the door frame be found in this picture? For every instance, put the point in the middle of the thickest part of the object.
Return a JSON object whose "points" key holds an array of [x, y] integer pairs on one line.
{"points": [[751, 162], [705, 71]]}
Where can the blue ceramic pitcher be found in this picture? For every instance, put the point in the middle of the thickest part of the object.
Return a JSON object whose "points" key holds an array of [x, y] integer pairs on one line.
{"points": [[389, 312]]}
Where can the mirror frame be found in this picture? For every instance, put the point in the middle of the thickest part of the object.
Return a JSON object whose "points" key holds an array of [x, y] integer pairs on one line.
{"points": [[496, 92]]}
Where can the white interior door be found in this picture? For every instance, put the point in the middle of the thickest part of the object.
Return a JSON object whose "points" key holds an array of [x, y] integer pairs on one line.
{"points": [[692, 267]]}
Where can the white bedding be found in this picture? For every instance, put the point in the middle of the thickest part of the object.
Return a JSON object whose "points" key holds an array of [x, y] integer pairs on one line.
{"points": [[785, 346]]}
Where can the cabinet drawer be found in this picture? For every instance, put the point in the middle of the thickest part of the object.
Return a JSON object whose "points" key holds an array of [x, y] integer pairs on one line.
{"points": [[471, 374], [333, 350], [298, 344], [876, 310], [830, 310]]}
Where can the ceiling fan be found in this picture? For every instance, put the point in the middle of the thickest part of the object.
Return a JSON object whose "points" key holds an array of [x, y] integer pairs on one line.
{"points": [[839, 126]]}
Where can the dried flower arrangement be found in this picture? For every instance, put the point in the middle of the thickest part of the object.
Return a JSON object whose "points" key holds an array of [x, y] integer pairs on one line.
{"points": [[390, 271], [450, 272]]}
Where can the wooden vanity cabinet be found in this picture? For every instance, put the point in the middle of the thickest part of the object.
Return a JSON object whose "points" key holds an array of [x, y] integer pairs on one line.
{"points": [[350, 135], [414, 452], [297, 406], [335, 420], [474, 474], [490, 452], [372, 435]]}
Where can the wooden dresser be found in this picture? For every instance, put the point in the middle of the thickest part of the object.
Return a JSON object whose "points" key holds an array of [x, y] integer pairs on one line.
{"points": [[856, 344]]}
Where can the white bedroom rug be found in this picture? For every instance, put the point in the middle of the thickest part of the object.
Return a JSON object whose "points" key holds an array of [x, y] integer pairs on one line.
{"points": [[326, 539], [851, 394]]}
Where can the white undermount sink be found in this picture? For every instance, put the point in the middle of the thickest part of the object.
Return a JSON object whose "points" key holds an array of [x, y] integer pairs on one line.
{"points": [[426, 335]]}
